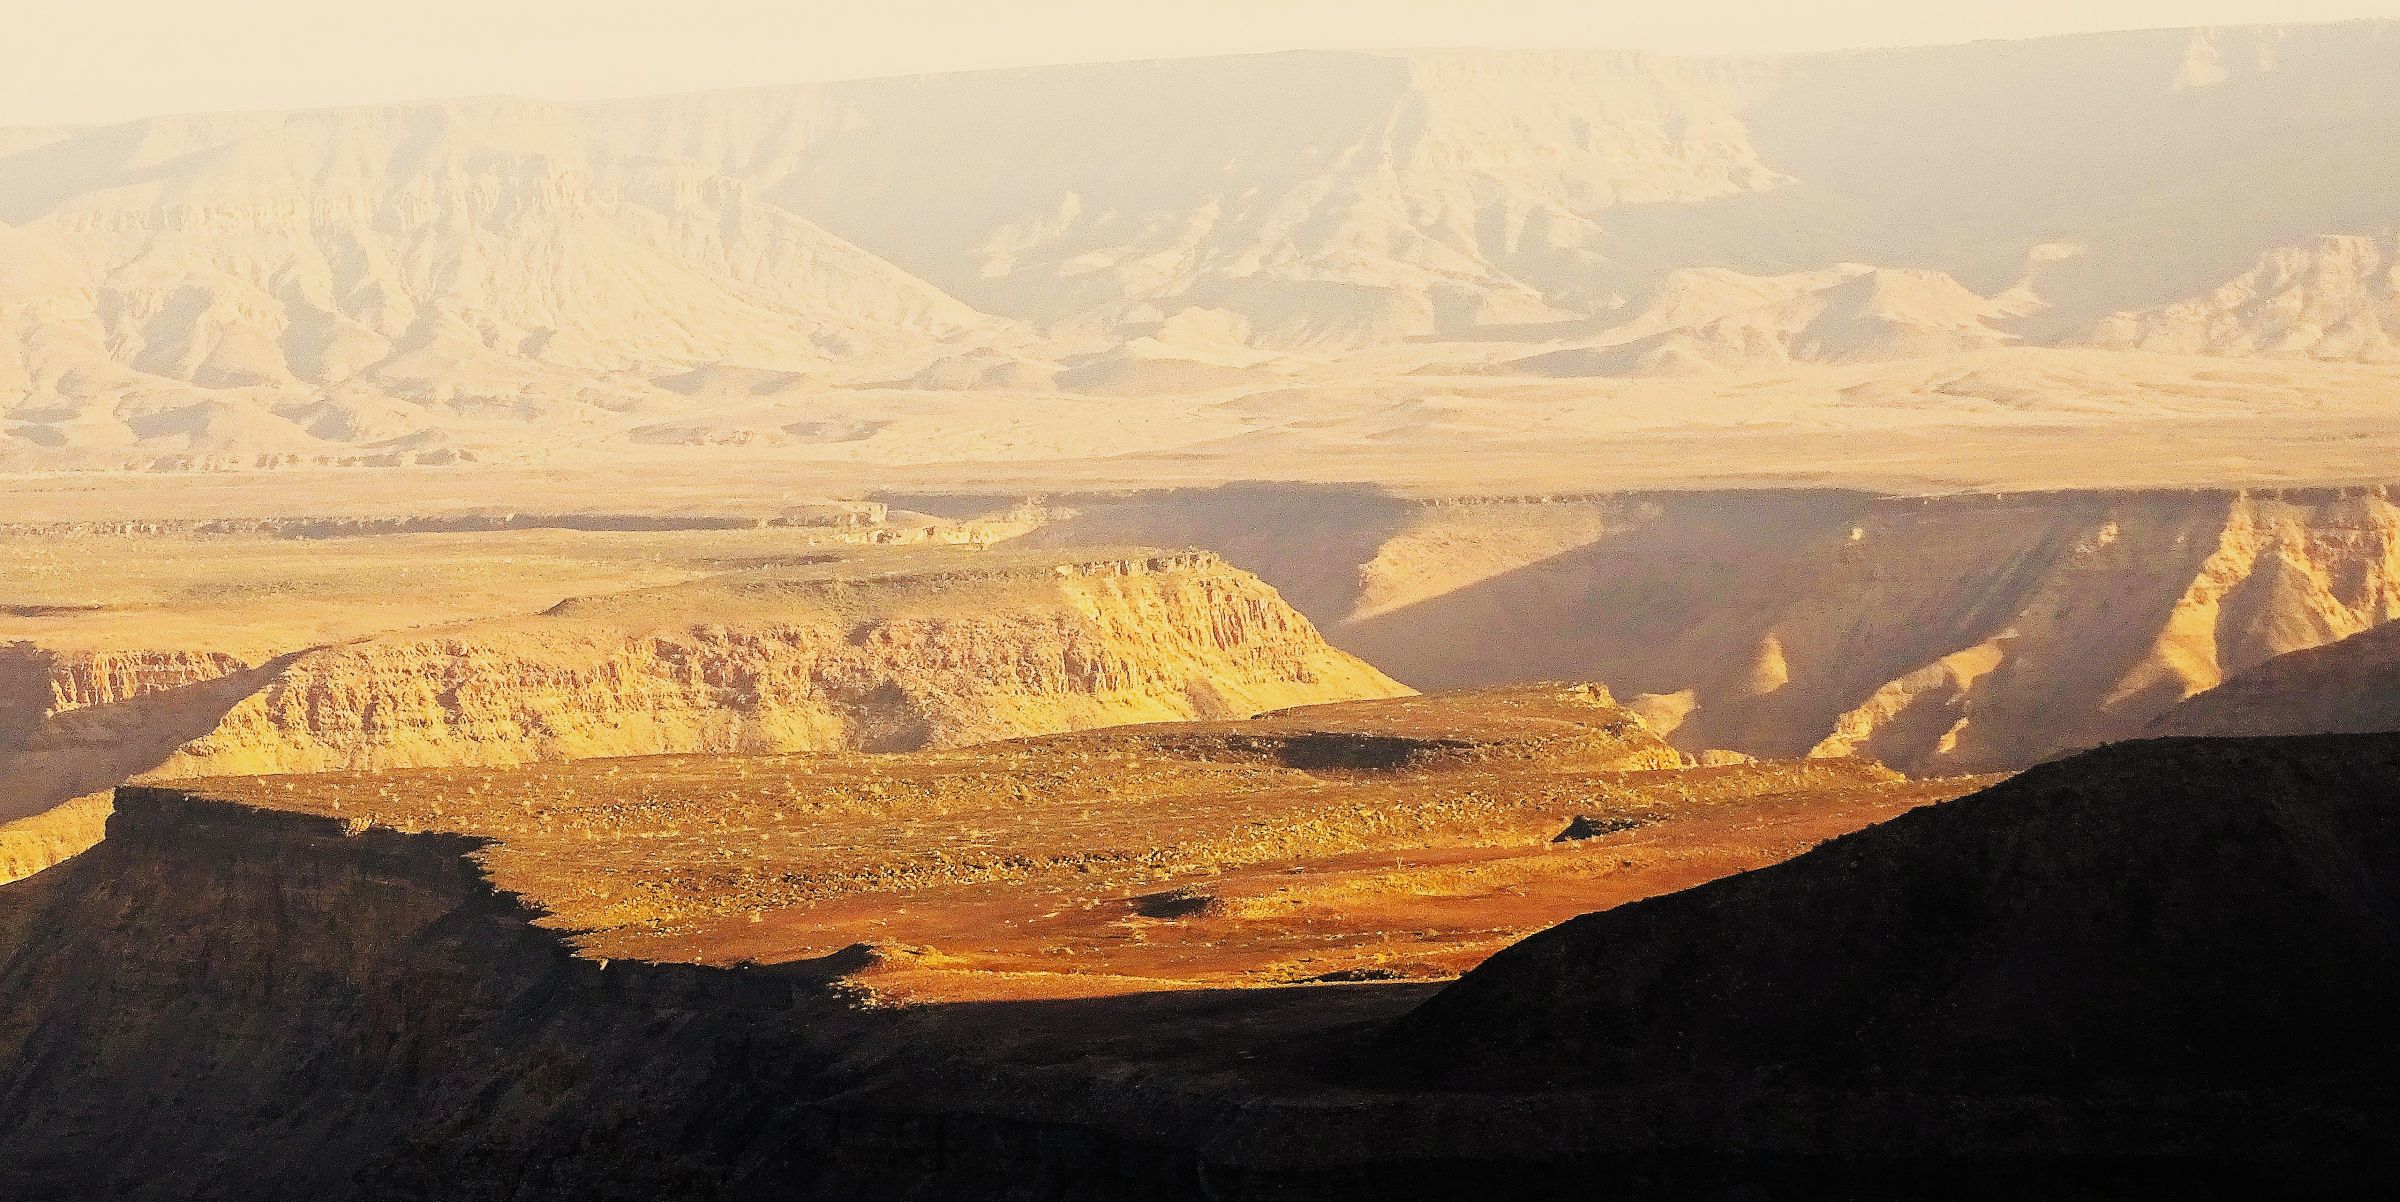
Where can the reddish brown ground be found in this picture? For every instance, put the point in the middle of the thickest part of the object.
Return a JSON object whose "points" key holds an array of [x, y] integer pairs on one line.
{"points": [[1372, 840]]}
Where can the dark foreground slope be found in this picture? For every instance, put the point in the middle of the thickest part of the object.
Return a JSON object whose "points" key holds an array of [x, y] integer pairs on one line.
{"points": [[2149, 920], [2161, 970], [2348, 687], [221, 1002]]}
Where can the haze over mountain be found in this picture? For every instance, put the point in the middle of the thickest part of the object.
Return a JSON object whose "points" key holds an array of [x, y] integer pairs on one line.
{"points": [[827, 269]]}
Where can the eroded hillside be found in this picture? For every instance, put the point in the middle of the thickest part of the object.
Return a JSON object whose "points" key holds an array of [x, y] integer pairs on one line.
{"points": [[36, 842]]}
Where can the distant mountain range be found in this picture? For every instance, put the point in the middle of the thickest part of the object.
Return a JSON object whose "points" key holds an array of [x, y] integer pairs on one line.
{"points": [[416, 282]]}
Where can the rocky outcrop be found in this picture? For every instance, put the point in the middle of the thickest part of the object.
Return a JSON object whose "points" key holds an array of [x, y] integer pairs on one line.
{"points": [[1943, 634], [767, 664], [140, 707], [87, 679], [2349, 687]]}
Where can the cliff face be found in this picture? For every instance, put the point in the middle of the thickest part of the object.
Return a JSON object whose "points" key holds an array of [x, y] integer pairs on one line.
{"points": [[142, 706], [86, 679], [954, 651], [1944, 634]]}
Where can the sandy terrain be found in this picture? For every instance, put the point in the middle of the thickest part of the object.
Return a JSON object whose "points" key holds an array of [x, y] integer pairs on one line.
{"points": [[2001, 419]]}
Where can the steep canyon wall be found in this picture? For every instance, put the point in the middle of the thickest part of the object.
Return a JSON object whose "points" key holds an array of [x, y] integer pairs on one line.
{"points": [[1956, 633]]}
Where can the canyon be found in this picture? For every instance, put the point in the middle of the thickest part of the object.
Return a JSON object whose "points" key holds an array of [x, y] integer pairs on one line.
{"points": [[1331, 625], [1940, 635]]}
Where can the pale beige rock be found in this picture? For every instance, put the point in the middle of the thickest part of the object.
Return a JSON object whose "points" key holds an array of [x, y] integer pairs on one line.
{"points": [[937, 651], [1951, 634]]}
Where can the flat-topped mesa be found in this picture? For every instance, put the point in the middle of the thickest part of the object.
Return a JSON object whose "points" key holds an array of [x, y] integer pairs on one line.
{"points": [[928, 652], [381, 968]]}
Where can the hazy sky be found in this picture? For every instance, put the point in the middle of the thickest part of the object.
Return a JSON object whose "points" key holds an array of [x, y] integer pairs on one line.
{"points": [[98, 60]]}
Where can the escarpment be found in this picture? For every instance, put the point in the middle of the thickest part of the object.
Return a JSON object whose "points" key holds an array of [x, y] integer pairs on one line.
{"points": [[1938, 634], [36, 682], [136, 709], [85, 679]]}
